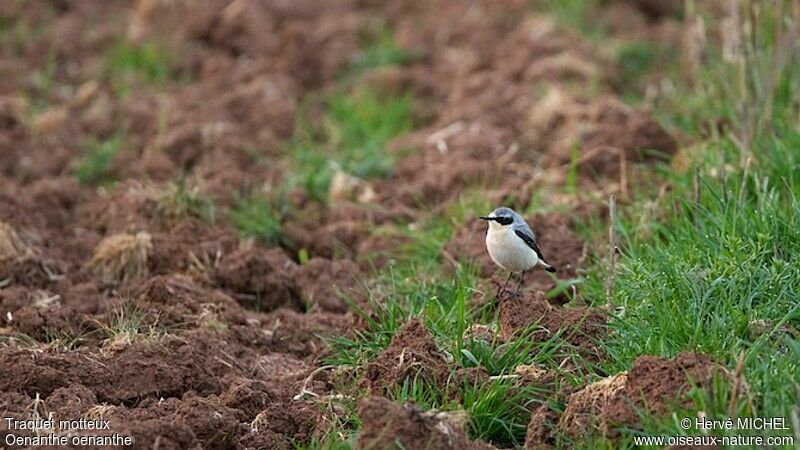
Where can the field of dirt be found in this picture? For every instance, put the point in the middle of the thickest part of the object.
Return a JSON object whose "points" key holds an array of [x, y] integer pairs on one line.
{"points": [[223, 336]]}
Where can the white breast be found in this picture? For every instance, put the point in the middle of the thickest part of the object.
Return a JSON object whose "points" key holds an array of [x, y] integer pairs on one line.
{"points": [[509, 251]]}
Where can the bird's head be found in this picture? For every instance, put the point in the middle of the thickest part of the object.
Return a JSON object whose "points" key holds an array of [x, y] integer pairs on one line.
{"points": [[501, 218]]}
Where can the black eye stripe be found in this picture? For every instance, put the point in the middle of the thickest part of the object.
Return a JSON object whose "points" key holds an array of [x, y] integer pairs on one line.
{"points": [[504, 220]]}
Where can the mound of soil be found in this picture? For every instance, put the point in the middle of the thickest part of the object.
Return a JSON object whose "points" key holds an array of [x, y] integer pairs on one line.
{"points": [[283, 423], [583, 328], [388, 425], [325, 284], [605, 132], [540, 429], [43, 322], [261, 279], [129, 208], [181, 392], [289, 331], [654, 385], [331, 240], [584, 406], [411, 354], [178, 299], [191, 246]]}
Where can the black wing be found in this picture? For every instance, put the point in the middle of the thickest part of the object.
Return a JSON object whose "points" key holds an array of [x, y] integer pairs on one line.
{"points": [[532, 244]]}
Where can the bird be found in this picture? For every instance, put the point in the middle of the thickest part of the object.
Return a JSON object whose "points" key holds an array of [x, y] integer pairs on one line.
{"points": [[512, 245]]}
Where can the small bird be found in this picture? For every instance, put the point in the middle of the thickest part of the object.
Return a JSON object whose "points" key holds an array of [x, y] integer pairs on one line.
{"points": [[512, 244]]}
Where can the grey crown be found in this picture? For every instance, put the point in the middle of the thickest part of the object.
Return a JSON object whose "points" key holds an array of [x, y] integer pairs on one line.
{"points": [[518, 224]]}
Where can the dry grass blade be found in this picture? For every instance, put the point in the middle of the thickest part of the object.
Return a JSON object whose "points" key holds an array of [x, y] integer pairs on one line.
{"points": [[11, 245], [128, 324], [591, 399], [738, 385], [122, 257]]}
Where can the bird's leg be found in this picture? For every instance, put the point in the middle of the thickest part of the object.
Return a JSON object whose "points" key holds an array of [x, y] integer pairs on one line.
{"points": [[521, 277], [503, 290]]}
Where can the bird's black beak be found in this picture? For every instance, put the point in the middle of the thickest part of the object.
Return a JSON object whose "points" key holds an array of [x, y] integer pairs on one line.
{"points": [[486, 218]]}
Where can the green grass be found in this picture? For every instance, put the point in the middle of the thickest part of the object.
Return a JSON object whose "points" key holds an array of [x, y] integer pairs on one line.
{"points": [[352, 137], [361, 124], [182, 200], [381, 51], [639, 63], [95, 166], [499, 411], [717, 263], [63, 340], [260, 216], [578, 15], [717, 266], [128, 63], [128, 324]]}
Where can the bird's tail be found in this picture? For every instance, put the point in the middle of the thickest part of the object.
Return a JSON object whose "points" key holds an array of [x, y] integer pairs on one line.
{"points": [[547, 267]]}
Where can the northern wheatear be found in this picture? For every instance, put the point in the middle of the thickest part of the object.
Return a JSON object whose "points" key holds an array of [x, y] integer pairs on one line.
{"points": [[512, 244]]}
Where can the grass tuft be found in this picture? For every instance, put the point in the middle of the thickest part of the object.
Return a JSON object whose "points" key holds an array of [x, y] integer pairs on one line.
{"points": [[381, 51], [95, 167], [122, 257], [258, 216], [63, 341], [128, 63], [499, 411], [181, 200], [128, 324], [11, 244]]}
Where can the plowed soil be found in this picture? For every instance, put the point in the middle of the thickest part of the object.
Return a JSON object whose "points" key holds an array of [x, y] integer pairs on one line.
{"points": [[227, 333]]}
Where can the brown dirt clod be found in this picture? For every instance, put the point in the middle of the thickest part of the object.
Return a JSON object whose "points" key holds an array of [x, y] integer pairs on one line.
{"points": [[325, 283], [388, 425], [540, 429], [260, 278], [581, 327], [653, 384], [411, 354]]}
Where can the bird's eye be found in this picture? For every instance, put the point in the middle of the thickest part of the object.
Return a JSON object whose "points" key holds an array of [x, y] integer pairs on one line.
{"points": [[504, 220]]}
